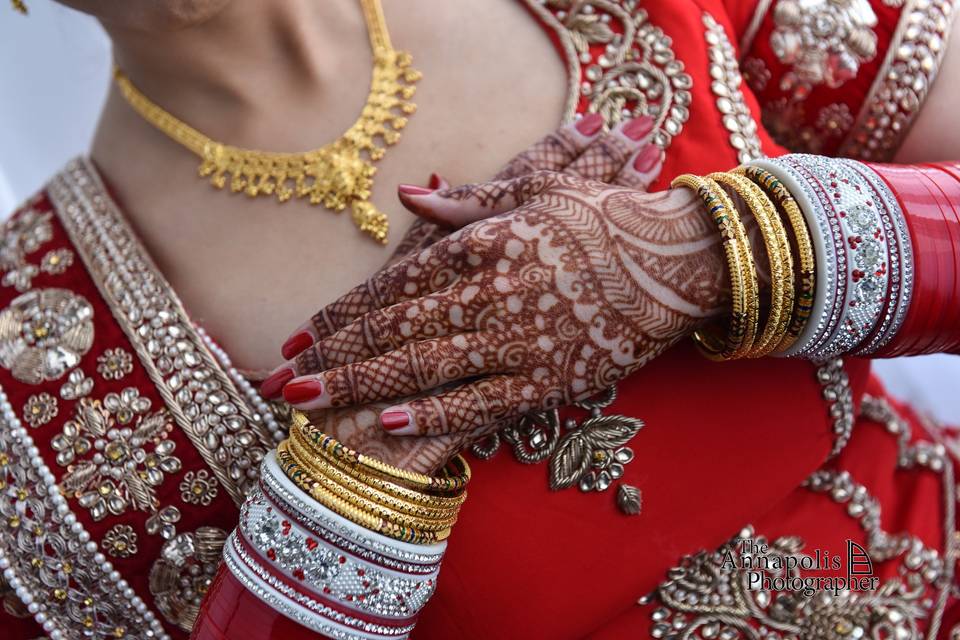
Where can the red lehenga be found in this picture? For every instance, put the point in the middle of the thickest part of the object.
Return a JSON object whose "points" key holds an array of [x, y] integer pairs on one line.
{"points": [[128, 441]]}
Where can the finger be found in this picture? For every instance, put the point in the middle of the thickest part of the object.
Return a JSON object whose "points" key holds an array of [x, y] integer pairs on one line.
{"points": [[414, 368], [642, 169], [468, 203], [556, 150], [606, 156], [464, 409]]}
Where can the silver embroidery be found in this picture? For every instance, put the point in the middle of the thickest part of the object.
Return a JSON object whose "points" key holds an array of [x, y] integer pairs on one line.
{"points": [[725, 81], [44, 333], [199, 394]]}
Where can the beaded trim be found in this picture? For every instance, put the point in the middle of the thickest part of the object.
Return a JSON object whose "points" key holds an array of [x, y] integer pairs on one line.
{"points": [[203, 400], [48, 558], [903, 81], [725, 81]]}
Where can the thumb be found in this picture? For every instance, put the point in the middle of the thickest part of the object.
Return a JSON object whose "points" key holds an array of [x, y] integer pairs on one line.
{"points": [[459, 206]]}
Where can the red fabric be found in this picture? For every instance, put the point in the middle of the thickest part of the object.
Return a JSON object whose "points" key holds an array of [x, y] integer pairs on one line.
{"points": [[930, 198]]}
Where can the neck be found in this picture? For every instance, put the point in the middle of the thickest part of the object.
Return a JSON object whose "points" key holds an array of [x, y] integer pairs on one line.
{"points": [[228, 75]]}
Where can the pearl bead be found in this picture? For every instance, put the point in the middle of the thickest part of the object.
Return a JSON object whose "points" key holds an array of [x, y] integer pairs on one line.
{"points": [[56, 634], [40, 617], [48, 626]]}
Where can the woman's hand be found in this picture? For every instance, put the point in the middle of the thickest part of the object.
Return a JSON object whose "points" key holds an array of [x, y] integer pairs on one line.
{"points": [[500, 305]]}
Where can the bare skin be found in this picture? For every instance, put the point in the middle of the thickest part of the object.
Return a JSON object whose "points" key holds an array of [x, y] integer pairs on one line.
{"points": [[241, 71]]}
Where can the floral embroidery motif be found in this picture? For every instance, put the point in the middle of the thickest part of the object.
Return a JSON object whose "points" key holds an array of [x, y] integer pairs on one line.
{"points": [[756, 74], [44, 333], [181, 576], [636, 74], [163, 523], [116, 454], [57, 261], [21, 235], [198, 487], [705, 597], [120, 541], [40, 409], [77, 386], [114, 364], [824, 41], [834, 119]]}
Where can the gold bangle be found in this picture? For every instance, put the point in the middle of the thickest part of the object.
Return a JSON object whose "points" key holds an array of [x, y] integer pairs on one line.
{"points": [[413, 496], [803, 301], [446, 483], [423, 505], [364, 496], [779, 257], [344, 508], [743, 277]]}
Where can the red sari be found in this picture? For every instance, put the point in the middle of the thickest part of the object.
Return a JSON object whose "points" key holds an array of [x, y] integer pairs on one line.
{"points": [[153, 439]]}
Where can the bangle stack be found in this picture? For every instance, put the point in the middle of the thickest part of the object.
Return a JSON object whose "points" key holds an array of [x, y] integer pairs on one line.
{"points": [[345, 544], [838, 254]]}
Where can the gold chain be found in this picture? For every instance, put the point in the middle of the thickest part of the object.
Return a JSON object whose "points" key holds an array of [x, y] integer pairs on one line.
{"points": [[336, 175]]}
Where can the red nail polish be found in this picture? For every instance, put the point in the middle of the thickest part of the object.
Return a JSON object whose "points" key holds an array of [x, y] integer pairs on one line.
{"points": [[413, 190], [435, 182], [271, 387], [296, 344], [648, 158], [638, 128], [393, 420], [302, 391], [590, 124]]}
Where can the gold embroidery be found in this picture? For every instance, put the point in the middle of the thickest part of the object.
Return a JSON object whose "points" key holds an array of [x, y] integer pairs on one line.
{"points": [[40, 409], [120, 541], [116, 454], [23, 234], [229, 435], [637, 73], [57, 261], [181, 576], [44, 333], [197, 487], [114, 364]]}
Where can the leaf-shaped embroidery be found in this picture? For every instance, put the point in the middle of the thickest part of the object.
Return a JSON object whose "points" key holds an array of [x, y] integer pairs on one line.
{"points": [[152, 426], [142, 494], [95, 420], [77, 477], [610, 432], [628, 499], [586, 28], [570, 460]]}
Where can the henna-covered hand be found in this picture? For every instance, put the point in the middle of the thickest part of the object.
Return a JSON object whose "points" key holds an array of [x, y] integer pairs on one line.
{"points": [[513, 313]]}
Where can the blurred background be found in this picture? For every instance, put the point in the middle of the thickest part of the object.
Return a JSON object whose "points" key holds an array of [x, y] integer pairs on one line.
{"points": [[54, 72]]}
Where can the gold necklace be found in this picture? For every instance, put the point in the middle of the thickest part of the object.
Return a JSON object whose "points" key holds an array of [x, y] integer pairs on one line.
{"points": [[335, 175]]}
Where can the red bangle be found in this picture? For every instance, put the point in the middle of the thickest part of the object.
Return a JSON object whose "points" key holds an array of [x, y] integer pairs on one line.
{"points": [[942, 326], [230, 610], [929, 197]]}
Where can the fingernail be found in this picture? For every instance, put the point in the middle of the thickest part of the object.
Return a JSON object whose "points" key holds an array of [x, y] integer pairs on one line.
{"points": [[435, 182], [296, 344], [638, 128], [413, 190], [271, 387], [302, 391], [589, 124], [648, 158], [393, 420]]}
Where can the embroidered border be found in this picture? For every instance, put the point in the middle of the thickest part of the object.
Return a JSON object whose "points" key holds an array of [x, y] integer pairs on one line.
{"points": [[903, 81], [203, 400]]}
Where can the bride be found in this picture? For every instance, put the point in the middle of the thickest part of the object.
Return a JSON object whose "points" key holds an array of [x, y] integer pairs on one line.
{"points": [[236, 244]]}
